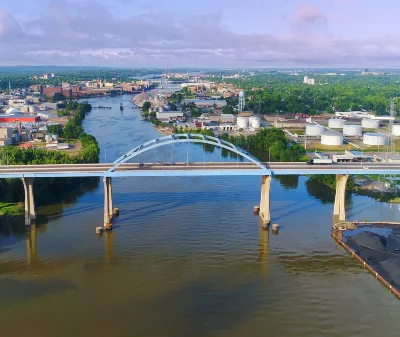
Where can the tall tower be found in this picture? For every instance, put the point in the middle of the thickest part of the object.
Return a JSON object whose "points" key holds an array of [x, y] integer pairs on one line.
{"points": [[9, 87], [242, 101]]}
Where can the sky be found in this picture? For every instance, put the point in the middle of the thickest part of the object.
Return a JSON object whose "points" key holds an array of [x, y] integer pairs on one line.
{"points": [[201, 33]]}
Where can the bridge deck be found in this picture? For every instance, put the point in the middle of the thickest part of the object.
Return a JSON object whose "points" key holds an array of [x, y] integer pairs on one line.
{"points": [[193, 169]]}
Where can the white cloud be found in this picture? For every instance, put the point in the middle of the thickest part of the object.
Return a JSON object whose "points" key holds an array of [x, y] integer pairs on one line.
{"points": [[87, 33]]}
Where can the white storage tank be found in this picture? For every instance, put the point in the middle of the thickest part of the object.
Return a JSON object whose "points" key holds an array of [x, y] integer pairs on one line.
{"points": [[352, 130], [314, 130], [255, 122], [396, 130], [374, 139], [54, 137], [48, 138], [242, 122], [332, 138], [336, 123], [370, 123]]}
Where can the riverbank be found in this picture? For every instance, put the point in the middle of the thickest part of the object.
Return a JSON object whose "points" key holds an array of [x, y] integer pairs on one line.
{"points": [[164, 130], [10, 209], [49, 190]]}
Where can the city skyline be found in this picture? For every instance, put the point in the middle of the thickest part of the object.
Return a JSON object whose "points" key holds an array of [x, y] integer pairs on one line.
{"points": [[252, 34]]}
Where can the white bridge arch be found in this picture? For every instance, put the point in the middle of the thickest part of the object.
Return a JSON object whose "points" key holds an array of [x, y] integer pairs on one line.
{"points": [[187, 138]]}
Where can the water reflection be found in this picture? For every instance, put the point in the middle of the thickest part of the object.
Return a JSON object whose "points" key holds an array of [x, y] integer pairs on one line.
{"points": [[31, 248], [288, 182], [109, 249]]}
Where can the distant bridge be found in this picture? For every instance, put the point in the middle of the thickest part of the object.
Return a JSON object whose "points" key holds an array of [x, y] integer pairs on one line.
{"points": [[253, 167]]}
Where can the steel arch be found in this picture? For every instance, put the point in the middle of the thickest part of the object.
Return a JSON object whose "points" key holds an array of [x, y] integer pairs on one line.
{"points": [[186, 138]]}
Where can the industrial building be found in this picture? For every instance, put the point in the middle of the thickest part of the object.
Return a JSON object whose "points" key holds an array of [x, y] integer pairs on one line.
{"points": [[18, 118], [170, 115], [205, 103], [5, 136]]}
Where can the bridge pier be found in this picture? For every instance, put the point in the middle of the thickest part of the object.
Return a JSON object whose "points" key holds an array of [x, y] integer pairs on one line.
{"points": [[108, 204], [265, 212], [340, 198], [30, 213]]}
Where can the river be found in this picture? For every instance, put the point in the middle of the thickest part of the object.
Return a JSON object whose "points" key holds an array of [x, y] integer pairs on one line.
{"points": [[187, 257]]}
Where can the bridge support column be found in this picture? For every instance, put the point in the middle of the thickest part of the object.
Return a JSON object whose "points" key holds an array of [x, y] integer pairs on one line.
{"points": [[108, 207], [340, 198], [265, 213], [30, 213]]}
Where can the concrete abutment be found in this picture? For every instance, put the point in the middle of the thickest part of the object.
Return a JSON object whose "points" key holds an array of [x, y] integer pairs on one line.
{"points": [[30, 213], [265, 212], [339, 210]]}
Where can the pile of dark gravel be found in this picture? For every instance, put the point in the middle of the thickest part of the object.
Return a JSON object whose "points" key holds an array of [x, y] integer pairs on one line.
{"points": [[381, 252]]}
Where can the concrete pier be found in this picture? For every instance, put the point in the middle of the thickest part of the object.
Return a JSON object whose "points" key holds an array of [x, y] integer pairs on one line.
{"points": [[265, 212], [108, 204], [339, 210], [30, 213]]}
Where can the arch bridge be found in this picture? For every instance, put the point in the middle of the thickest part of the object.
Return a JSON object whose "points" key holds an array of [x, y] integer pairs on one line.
{"points": [[122, 168]]}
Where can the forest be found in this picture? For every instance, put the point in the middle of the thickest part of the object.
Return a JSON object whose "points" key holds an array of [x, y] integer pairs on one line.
{"points": [[283, 93]]}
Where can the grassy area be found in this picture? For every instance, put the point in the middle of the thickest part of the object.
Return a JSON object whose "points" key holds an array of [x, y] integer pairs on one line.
{"points": [[304, 158], [298, 131], [319, 147], [11, 209]]}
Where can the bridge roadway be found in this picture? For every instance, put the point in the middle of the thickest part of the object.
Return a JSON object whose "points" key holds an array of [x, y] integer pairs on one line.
{"points": [[192, 169]]}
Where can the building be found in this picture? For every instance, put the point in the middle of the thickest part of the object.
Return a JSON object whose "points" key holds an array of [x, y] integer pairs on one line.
{"points": [[16, 103], [48, 76], [5, 136], [51, 91], [245, 113], [19, 118], [227, 118], [205, 103], [12, 111], [170, 115], [36, 88]]}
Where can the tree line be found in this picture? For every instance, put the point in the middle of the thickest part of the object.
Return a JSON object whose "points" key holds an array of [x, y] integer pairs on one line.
{"points": [[281, 93]]}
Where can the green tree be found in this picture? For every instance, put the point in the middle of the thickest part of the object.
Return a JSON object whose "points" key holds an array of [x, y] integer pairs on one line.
{"points": [[146, 107]]}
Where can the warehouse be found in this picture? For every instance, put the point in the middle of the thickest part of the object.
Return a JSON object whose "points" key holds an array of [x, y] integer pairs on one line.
{"points": [[18, 118]]}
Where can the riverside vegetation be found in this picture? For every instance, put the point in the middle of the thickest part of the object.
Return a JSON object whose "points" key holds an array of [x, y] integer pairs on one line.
{"points": [[50, 190]]}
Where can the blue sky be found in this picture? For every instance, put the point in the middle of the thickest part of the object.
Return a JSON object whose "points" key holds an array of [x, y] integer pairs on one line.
{"points": [[207, 33]]}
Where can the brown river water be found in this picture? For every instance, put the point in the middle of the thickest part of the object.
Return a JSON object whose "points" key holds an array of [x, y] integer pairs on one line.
{"points": [[187, 257]]}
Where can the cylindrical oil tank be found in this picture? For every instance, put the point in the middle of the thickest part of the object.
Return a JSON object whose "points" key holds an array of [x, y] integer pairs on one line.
{"points": [[396, 130], [352, 130], [242, 122], [314, 130], [374, 139], [336, 123], [333, 138], [54, 137], [47, 138], [370, 123], [255, 122]]}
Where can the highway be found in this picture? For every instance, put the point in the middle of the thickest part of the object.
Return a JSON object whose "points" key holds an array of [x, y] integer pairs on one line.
{"points": [[193, 169]]}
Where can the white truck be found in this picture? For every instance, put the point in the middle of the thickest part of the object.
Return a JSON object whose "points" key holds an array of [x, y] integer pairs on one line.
{"points": [[319, 161]]}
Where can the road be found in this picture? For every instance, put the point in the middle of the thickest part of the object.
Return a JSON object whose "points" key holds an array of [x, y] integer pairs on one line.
{"points": [[193, 169]]}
